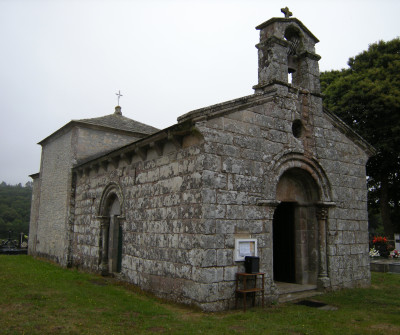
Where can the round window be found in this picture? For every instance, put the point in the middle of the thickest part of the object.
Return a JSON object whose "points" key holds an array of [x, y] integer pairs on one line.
{"points": [[297, 128]]}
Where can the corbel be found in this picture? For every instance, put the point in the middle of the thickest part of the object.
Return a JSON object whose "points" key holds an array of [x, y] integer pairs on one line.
{"points": [[157, 147], [95, 167], [141, 153], [127, 157], [104, 165], [86, 171], [176, 141], [114, 161]]}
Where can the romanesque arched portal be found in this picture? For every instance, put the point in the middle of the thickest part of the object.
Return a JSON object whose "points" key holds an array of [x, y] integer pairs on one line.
{"points": [[302, 192], [295, 228]]}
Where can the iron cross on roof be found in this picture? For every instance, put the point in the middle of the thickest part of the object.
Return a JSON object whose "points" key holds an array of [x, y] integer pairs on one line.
{"points": [[119, 96], [287, 12]]}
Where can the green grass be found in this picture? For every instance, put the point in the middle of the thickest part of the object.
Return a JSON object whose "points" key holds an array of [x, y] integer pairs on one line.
{"points": [[38, 297]]}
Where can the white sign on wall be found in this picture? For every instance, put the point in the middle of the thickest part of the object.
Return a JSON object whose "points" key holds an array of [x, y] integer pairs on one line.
{"points": [[245, 247]]}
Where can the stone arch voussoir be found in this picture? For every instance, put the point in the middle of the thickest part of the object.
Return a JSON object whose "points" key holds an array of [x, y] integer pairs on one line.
{"points": [[112, 189], [297, 160]]}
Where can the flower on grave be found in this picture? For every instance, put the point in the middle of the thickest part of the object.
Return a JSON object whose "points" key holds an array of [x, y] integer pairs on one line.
{"points": [[380, 244], [373, 252], [379, 239], [394, 254]]}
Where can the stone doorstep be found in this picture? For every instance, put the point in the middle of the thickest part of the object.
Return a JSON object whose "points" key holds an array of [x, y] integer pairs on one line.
{"points": [[291, 291]]}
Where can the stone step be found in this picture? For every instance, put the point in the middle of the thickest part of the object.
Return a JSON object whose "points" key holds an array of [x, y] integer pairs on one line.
{"points": [[286, 297], [292, 292]]}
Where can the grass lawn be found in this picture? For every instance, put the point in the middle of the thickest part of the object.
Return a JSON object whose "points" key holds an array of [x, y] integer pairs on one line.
{"points": [[38, 297]]}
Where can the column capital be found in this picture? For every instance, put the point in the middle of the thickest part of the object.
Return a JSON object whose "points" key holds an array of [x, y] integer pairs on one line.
{"points": [[322, 212], [322, 209]]}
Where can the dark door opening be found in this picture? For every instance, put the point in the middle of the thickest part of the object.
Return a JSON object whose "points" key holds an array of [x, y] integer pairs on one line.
{"points": [[284, 243], [115, 245], [119, 256]]}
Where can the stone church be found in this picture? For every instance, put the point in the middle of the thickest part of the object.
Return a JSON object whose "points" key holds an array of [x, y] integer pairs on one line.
{"points": [[166, 209]]}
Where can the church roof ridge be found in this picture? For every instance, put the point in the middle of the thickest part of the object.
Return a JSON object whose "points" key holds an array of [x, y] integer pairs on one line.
{"points": [[118, 121], [115, 122]]}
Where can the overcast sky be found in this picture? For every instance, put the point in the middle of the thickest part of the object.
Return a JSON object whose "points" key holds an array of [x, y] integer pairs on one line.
{"points": [[64, 60]]}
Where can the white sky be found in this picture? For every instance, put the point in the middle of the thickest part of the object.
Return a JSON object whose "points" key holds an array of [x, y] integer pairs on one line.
{"points": [[62, 60]]}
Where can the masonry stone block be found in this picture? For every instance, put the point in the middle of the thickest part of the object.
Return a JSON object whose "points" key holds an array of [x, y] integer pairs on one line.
{"points": [[208, 275], [348, 237], [232, 197], [230, 272], [214, 211], [226, 226], [209, 241], [214, 180], [224, 257], [237, 166], [207, 227], [222, 149]]}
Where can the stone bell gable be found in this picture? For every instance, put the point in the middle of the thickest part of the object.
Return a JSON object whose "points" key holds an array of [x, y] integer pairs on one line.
{"points": [[165, 212], [287, 46]]}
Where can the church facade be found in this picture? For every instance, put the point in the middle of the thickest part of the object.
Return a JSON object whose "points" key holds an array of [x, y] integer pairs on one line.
{"points": [[165, 209]]}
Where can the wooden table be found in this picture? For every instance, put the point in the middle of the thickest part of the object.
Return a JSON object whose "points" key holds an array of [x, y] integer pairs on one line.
{"points": [[244, 290]]}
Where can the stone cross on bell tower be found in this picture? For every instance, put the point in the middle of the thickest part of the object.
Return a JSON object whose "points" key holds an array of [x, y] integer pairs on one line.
{"points": [[287, 12], [287, 47]]}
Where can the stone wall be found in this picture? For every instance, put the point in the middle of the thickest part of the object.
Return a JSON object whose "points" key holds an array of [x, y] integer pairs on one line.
{"points": [[34, 217], [183, 210], [49, 222], [90, 142], [55, 186], [161, 217], [243, 150], [347, 234]]}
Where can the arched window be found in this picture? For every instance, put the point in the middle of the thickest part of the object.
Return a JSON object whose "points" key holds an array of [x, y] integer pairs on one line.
{"points": [[111, 229]]}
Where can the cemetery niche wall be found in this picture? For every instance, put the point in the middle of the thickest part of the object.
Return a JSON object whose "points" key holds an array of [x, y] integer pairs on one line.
{"points": [[164, 209]]}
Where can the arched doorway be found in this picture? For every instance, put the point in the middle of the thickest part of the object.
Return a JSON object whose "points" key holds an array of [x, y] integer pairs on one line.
{"points": [[295, 228], [111, 230]]}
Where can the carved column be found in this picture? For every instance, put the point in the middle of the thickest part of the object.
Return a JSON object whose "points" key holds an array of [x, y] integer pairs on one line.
{"points": [[104, 228], [270, 207], [322, 216]]}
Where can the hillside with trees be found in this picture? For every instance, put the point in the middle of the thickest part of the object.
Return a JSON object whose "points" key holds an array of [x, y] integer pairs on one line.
{"points": [[15, 205], [367, 97]]}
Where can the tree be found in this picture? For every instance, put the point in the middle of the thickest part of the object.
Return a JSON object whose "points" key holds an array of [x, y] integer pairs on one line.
{"points": [[14, 209], [367, 97]]}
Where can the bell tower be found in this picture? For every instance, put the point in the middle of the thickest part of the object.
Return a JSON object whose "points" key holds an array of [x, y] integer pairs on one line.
{"points": [[287, 49]]}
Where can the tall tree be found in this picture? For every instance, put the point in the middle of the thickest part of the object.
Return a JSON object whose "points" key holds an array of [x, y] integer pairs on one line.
{"points": [[15, 204], [367, 97]]}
